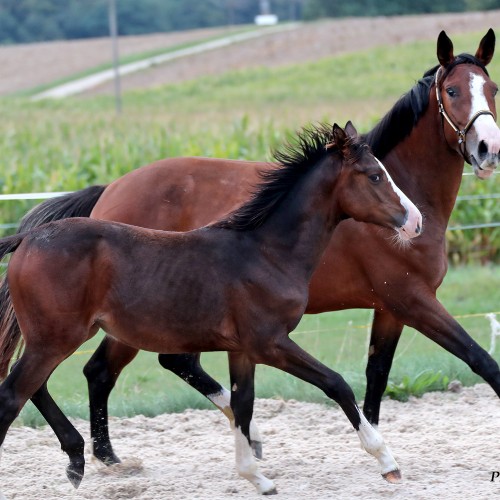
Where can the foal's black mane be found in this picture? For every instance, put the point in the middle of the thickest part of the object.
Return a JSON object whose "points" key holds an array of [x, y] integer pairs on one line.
{"points": [[402, 118], [295, 160]]}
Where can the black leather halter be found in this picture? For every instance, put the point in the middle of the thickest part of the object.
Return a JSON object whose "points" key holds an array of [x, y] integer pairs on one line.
{"points": [[460, 133]]}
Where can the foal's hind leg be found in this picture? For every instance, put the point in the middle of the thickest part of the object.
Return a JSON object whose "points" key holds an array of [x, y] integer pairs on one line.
{"points": [[242, 397], [189, 369], [25, 379], [72, 442], [289, 357]]}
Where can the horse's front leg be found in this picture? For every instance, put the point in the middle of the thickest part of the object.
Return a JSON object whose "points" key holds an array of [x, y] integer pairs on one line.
{"points": [[427, 315], [189, 369], [242, 398], [289, 357], [386, 331]]}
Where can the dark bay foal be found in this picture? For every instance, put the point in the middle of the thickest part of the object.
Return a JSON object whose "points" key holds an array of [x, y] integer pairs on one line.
{"points": [[238, 285]]}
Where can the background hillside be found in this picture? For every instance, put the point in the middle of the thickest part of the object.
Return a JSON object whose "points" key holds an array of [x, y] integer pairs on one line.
{"points": [[25, 66]]}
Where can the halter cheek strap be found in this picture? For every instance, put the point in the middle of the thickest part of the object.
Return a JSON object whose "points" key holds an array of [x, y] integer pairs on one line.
{"points": [[460, 133]]}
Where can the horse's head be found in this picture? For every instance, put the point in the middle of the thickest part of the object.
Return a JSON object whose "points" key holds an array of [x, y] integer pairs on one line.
{"points": [[368, 193], [466, 100]]}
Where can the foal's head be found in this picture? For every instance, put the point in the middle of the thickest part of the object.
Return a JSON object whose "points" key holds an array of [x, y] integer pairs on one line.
{"points": [[466, 99], [365, 190]]}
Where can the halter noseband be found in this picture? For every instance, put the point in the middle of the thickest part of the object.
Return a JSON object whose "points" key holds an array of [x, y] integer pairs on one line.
{"points": [[460, 133]]}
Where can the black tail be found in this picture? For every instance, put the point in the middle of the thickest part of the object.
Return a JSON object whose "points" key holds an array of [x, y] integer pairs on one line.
{"points": [[78, 204]]}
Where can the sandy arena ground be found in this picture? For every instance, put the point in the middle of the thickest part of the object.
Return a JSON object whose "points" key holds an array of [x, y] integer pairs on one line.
{"points": [[445, 443]]}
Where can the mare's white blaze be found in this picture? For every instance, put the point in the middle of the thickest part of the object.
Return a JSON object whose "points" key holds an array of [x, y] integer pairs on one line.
{"points": [[373, 442], [485, 127], [222, 400], [413, 225], [246, 464]]}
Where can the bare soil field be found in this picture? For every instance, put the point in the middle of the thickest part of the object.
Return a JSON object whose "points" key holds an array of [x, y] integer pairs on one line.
{"points": [[445, 443], [26, 66]]}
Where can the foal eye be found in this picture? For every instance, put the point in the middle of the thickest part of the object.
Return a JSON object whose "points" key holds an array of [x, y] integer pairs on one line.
{"points": [[375, 178], [495, 92], [451, 92]]}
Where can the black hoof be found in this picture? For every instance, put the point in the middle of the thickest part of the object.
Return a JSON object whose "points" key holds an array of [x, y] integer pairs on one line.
{"points": [[106, 455], [274, 491], [257, 449], [75, 471]]}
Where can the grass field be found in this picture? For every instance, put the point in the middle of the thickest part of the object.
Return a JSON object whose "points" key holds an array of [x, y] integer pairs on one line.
{"points": [[70, 144]]}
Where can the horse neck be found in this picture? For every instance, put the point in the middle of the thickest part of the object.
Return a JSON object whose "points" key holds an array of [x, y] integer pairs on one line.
{"points": [[427, 170], [298, 231]]}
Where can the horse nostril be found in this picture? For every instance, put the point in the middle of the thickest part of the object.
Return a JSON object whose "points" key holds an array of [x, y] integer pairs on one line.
{"points": [[418, 229], [482, 149]]}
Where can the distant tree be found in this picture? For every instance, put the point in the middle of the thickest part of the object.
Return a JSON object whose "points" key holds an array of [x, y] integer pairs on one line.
{"points": [[36, 20]]}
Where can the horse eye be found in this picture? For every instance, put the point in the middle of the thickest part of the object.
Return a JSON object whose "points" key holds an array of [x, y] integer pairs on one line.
{"points": [[451, 92], [495, 92], [375, 178]]}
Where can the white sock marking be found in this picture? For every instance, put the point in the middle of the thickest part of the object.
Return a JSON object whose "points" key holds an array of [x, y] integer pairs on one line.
{"points": [[246, 464], [373, 442]]}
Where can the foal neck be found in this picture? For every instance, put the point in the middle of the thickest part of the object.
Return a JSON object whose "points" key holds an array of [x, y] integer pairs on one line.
{"points": [[299, 229]]}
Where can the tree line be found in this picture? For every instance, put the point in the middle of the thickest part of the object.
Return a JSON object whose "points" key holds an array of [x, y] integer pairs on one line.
{"points": [[23, 21]]}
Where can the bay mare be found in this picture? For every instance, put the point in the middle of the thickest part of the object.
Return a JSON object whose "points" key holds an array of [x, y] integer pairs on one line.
{"points": [[238, 285], [424, 154]]}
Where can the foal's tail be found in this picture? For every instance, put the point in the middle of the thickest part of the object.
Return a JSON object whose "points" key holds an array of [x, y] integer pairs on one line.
{"points": [[78, 204]]}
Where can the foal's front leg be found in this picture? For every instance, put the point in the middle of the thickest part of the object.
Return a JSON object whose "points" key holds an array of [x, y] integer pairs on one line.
{"points": [[189, 369], [289, 357], [242, 397]]}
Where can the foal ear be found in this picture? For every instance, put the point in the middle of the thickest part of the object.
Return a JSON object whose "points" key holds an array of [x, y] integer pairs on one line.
{"points": [[339, 136], [444, 49], [486, 47], [350, 130]]}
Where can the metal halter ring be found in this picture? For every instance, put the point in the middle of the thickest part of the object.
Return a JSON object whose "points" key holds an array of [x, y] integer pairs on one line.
{"points": [[460, 133]]}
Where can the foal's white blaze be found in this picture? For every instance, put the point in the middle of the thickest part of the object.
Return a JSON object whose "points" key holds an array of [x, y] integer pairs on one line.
{"points": [[246, 464], [485, 128], [222, 400], [413, 225], [373, 442]]}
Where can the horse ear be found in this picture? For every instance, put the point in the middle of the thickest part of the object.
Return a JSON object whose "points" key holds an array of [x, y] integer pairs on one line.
{"points": [[350, 130], [486, 47], [339, 136], [444, 49]]}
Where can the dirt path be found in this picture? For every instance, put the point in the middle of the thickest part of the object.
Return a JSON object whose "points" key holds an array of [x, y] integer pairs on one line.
{"points": [[445, 443]]}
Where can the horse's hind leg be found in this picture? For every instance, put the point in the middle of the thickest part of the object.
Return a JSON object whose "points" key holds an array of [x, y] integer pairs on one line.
{"points": [[289, 357], [386, 331], [102, 371], [242, 397], [25, 379], [72, 442], [189, 369]]}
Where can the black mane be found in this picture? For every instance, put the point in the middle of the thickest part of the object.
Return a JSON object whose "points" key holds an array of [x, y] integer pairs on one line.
{"points": [[294, 160], [398, 123]]}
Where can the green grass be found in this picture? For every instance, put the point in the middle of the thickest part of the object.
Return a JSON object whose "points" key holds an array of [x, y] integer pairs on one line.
{"points": [[338, 339]]}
